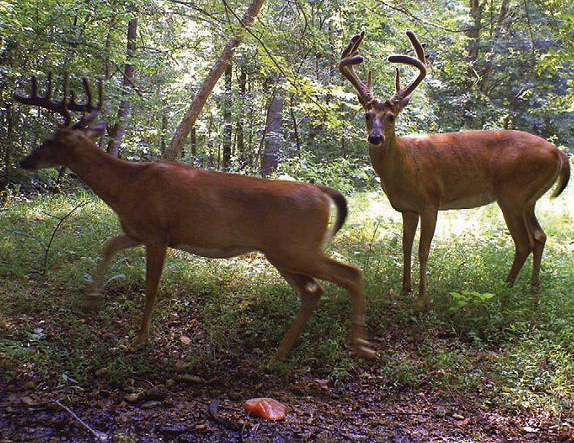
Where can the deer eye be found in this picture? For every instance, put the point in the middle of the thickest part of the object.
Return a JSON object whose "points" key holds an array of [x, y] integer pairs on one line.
{"points": [[368, 116], [390, 118]]}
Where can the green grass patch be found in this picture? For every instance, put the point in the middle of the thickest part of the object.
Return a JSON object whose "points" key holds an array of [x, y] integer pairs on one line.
{"points": [[481, 337]]}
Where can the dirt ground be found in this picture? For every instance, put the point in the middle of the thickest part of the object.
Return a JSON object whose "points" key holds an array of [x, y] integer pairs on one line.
{"points": [[169, 402], [187, 408]]}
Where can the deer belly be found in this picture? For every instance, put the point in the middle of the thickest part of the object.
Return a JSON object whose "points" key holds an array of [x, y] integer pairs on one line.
{"points": [[467, 202], [223, 252]]}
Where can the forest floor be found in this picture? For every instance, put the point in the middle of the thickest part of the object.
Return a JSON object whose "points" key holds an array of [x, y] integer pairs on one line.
{"points": [[355, 411], [173, 405], [478, 367]]}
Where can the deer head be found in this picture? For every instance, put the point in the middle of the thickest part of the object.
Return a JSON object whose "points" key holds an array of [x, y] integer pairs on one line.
{"points": [[380, 116], [55, 151]]}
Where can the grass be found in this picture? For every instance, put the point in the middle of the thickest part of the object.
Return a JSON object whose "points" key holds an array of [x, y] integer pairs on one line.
{"points": [[481, 337]]}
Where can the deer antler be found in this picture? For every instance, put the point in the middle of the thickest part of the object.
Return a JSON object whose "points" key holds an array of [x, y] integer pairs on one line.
{"points": [[349, 58], [63, 107], [419, 63], [46, 102], [90, 111]]}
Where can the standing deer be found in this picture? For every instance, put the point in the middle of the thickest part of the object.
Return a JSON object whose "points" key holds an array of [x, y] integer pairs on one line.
{"points": [[422, 174], [212, 214]]}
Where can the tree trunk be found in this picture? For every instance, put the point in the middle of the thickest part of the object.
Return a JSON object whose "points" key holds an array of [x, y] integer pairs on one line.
{"points": [[240, 118], [164, 122], [273, 135], [295, 125], [227, 103], [9, 147], [193, 142], [216, 71], [497, 27], [107, 62], [119, 128], [473, 34]]}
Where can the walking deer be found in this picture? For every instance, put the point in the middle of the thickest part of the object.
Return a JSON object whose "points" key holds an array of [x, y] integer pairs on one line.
{"points": [[212, 214], [422, 174]]}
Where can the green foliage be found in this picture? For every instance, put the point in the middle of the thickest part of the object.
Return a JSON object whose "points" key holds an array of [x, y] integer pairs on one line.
{"points": [[346, 175], [518, 77]]}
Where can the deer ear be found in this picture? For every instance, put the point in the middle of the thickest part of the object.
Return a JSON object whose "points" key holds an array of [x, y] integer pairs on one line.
{"points": [[95, 130]]}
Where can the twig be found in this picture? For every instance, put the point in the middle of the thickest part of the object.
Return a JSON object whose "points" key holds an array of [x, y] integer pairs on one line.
{"points": [[371, 244], [79, 205], [425, 22], [277, 64], [230, 424], [100, 436]]}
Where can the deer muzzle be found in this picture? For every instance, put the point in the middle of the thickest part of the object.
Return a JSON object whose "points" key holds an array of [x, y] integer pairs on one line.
{"points": [[375, 139]]}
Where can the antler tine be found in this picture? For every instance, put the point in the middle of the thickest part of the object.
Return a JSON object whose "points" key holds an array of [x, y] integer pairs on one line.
{"points": [[100, 94], [65, 87], [88, 90], [354, 44], [418, 63], [46, 102], [349, 58], [417, 46], [90, 111]]}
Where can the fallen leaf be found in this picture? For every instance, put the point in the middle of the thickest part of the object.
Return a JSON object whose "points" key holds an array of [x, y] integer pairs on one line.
{"points": [[150, 404], [132, 397], [191, 379]]}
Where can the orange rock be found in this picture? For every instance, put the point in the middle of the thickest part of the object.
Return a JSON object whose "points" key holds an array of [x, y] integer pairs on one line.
{"points": [[267, 408]]}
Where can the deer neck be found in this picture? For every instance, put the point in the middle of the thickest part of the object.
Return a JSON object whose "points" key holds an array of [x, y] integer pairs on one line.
{"points": [[106, 175], [387, 157]]}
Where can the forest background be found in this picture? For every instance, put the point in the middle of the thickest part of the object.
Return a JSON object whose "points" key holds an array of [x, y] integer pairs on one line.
{"points": [[282, 106]]}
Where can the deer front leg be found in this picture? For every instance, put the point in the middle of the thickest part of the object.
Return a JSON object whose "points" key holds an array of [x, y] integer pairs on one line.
{"points": [[155, 257], [94, 290], [428, 224], [410, 222]]}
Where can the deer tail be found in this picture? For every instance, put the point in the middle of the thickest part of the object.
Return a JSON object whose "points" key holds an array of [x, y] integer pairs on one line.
{"points": [[564, 174], [342, 210]]}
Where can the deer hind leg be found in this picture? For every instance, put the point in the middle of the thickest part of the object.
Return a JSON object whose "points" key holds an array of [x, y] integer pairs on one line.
{"points": [[309, 291], [348, 277], [155, 257], [538, 239], [516, 220], [410, 222], [112, 246]]}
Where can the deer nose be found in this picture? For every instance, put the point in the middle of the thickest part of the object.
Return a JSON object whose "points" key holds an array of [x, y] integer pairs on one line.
{"points": [[375, 139]]}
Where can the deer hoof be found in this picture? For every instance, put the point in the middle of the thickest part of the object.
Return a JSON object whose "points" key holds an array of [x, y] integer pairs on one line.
{"points": [[138, 342], [363, 349], [280, 355]]}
